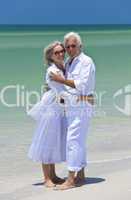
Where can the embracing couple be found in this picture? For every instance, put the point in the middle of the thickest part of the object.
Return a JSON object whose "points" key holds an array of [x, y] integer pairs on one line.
{"points": [[64, 112]]}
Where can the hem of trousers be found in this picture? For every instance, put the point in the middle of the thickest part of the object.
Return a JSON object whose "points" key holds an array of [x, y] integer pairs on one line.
{"points": [[76, 169]]}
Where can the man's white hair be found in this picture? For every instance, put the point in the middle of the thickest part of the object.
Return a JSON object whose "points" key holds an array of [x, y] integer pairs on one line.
{"points": [[73, 35]]}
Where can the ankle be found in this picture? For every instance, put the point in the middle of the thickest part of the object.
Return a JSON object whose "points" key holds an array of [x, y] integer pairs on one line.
{"points": [[47, 179], [71, 181]]}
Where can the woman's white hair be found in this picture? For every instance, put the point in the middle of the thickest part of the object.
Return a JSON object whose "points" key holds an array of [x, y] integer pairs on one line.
{"points": [[48, 51], [73, 35]]}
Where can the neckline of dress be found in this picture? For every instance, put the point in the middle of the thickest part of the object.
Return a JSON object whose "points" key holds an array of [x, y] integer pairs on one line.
{"points": [[62, 69]]}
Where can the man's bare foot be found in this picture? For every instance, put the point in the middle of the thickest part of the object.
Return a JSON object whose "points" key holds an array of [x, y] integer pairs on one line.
{"points": [[80, 181], [65, 186], [49, 184], [58, 180], [80, 178]]}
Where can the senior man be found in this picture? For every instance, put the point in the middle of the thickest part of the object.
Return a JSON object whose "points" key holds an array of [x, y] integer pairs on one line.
{"points": [[80, 85]]}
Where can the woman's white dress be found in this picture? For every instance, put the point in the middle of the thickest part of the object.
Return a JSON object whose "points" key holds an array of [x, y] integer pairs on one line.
{"points": [[49, 141]]}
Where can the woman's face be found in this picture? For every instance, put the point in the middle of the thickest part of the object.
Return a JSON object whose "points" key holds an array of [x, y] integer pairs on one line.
{"points": [[58, 54]]}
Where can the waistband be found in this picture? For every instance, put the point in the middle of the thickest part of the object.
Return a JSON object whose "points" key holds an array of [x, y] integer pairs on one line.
{"points": [[89, 98]]}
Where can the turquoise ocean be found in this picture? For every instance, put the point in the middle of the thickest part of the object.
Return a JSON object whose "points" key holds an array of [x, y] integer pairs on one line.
{"points": [[22, 75], [22, 69]]}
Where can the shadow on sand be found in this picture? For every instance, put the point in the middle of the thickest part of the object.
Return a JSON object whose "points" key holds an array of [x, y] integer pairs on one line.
{"points": [[93, 180], [38, 184], [88, 180]]}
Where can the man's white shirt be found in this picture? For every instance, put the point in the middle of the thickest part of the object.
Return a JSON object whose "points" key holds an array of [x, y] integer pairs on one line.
{"points": [[82, 71]]}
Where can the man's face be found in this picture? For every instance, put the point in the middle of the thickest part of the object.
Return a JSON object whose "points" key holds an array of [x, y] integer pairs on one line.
{"points": [[72, 47]]}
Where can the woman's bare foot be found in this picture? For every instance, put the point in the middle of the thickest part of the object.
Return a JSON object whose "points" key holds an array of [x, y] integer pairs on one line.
{"points": [[54, 177], [49, 183], [58, 180]]}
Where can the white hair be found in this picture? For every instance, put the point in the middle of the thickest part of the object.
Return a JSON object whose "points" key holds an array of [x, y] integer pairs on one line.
{"points": [[73, 35], [48, 51]]}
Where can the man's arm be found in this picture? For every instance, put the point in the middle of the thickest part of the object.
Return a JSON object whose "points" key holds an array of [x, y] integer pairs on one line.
{"points": [[69, 83], [58, 78]]}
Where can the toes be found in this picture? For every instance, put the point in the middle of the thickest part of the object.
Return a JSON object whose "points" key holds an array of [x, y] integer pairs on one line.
{"points": [[63, 187]]}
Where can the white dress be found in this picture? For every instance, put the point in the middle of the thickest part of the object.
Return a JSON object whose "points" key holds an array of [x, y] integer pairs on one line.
{"points": [[49, 141]]}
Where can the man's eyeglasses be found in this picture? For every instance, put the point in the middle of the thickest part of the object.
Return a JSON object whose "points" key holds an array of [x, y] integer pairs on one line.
{"points": [[58, 52], [72, 46]]}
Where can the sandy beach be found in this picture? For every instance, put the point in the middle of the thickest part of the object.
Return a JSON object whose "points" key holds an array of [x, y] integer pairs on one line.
{"points": [[108, 175]]}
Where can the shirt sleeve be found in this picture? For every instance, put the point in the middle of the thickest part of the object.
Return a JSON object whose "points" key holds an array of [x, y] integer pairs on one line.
{"points": [[84, 81], [49, 71], [47, 76]]}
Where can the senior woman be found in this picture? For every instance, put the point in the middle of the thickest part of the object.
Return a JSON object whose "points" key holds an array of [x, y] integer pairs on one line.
{"points": [[49, 142]]}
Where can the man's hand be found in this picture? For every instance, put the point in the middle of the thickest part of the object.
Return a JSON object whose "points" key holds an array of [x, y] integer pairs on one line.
{"points": [[57, 77]]}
